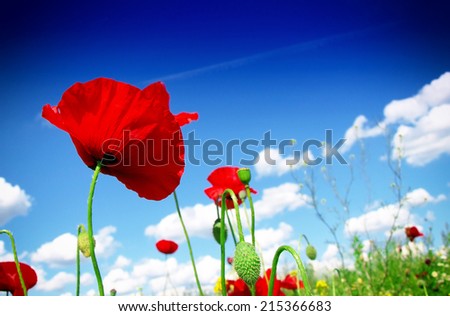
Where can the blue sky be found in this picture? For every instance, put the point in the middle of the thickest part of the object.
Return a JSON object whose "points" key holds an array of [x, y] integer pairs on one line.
{"points": [[293, 68]]}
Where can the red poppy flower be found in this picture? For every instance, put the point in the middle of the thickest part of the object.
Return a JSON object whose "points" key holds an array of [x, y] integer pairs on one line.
{"points": [[225, 178], [291, 282], [9, 277], [412, 232], [131, 131], [239, 287], [230, 260], [166, 246]]}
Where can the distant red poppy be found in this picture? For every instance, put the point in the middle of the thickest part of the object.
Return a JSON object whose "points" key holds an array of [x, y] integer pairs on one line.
{"points": [[9, 277], [166, 247], [412, 232], [230, 260], [239, 287], [131, 131], [224, 178]]}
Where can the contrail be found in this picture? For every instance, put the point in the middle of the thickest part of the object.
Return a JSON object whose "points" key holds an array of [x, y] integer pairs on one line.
{"points": [[296, 48]]}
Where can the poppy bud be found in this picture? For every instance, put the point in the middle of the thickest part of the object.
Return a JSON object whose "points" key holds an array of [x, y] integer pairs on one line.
{"points": [[113, 292], [311, 252], [216, 231], [83, 242], [247, 263], [244, 175]]}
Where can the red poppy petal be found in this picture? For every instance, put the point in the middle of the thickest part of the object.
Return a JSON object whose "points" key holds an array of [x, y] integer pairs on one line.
{"points": [[10, 281], [184, 118]]}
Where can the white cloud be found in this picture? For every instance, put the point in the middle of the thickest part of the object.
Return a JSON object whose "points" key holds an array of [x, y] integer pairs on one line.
{"points": [[271, 163], [382, 218], [58, 282], [87, 279], [275, 200], [4, 255], [13, 201], [359, 130], [427, 139], [61, 251], [422, 124], [121, 262], [329, 261], [199, 218]]}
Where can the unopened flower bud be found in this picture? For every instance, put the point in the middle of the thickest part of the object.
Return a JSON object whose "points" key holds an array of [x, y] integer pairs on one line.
{"points": [[216, 231], [244, 175], [247, 263], [311, 252], [83, 242]]}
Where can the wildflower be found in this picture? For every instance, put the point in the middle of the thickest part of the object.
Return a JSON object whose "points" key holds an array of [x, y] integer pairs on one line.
{"points": [[434, 274], [9, 277], [412, 233], [322, 287], [240, 288], [166, 246], [130, 131], [224, 178]]}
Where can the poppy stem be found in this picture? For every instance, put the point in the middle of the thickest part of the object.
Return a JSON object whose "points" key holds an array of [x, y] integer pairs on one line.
{"points": [[16, 259], [78, 262], [300, 266], [231, 227], [236, 207], [98, 275], [250, 201], [188, 243]]}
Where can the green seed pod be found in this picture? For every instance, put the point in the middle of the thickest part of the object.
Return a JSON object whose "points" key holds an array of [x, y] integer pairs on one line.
{"points": [[244, 175], [247, 263], [216, 231], [83, 242], [311, 252]]}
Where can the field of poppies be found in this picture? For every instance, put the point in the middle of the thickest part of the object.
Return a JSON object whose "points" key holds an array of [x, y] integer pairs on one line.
{"points": [[150, 161]]}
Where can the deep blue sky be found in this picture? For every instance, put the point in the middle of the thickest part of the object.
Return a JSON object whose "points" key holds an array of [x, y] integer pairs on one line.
{"points": [[295, 68]]}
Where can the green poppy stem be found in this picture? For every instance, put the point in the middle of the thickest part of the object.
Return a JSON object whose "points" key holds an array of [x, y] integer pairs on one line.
{"points": [[229, 224], [16, 260], [188, 243], [250, 201], [300, 266], [222, 234], [78, 262], [98, 275]]}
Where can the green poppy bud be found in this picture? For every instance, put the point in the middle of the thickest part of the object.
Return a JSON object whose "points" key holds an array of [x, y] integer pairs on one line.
{"points": [[311, 252], [244, 175], [216, 231], [247, 263], [83, 242]]}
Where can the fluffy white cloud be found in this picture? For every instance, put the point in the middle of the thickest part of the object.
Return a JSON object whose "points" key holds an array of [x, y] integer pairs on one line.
{"points": [[61, 251], [329, 261], [360, 130], [199, 218], [13, 201], [382, 218], [121, 262], [4, 255], [275, 200], [58, 282], [422, 124], [271, 163]]}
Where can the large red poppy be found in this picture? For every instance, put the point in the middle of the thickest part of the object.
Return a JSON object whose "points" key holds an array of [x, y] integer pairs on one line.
{"points": [[166, 247], [9, 277], [412, 233], [131, 131], [224, 178], [239, 287]]}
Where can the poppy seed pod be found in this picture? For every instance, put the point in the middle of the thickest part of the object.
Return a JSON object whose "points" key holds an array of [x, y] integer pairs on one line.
{"points": [[83, 242], [247, 263], [216, 231], [311, 252], [244, 175]]}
